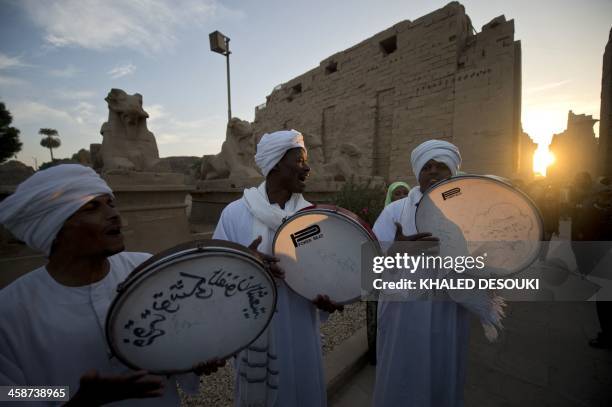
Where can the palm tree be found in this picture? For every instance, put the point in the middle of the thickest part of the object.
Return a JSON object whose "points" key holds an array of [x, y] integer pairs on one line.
{"points": [[51, 140]]}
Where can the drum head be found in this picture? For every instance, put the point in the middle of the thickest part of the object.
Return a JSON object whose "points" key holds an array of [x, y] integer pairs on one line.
{"points": [[193, 303], [320, 251], [480, 215]]}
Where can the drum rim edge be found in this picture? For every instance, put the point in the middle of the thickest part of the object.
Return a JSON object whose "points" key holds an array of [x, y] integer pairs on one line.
{"points": [[158, 260], [328, 208], [505, 185]]}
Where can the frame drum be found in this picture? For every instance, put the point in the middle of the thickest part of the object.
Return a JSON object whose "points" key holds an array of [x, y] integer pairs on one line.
{"points": [[192, 303], [473, 215], [320, 249]]}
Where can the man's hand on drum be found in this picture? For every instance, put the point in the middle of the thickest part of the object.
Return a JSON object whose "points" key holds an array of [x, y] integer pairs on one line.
{"points": [[96, 389], [269, 261], [324, 303], [208, 368], [427, 243]]}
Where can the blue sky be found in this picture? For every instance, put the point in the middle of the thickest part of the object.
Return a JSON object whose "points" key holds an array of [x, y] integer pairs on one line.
{"points": [[59, 59]]}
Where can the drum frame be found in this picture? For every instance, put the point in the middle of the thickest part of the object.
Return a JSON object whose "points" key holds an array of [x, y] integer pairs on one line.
{"points": [[327, 209], [172, 255], [505, 184]]}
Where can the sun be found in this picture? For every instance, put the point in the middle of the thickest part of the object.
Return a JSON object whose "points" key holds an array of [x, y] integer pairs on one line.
{"points": [[542, 159]]}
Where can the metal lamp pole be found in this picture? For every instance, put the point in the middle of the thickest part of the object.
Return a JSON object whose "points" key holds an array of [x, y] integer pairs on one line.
{"points": [[219, 43]]}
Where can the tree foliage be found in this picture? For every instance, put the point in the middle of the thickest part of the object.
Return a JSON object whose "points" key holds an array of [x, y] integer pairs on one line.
{"points": [[51, 139], [365, 200], [50, 142], [57, 161], [9, 136]]}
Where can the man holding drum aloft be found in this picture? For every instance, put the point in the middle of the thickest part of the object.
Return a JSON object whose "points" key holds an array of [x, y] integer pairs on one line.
{"points": [[422, 344], [283, 367], [52, 319]]}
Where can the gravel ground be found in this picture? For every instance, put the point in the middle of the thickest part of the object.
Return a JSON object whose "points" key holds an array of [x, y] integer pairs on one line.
{"points": [[217, 390], [341, 325]]}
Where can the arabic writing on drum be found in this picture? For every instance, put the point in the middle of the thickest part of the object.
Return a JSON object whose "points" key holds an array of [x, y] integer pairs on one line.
{"points": [[195, 287], [502, 222], [343, 262]]}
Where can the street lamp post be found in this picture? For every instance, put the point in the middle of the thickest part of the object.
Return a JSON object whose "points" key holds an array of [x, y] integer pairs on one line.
{"points": [[219, 43]]}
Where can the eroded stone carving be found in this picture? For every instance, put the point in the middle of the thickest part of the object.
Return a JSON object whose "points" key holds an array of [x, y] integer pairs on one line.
{"points": [[314, 145], [342, 165], [434, 77], [127, 142], [236, 157], [95, 151]]}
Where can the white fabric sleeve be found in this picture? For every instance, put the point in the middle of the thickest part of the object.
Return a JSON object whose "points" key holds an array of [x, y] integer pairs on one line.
{"points": [[222, 229], [384, 227], [10, 372]]}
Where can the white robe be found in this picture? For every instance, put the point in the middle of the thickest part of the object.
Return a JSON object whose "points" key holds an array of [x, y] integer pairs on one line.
{"points": [[295, 324], [51, 334], [421, 345]]}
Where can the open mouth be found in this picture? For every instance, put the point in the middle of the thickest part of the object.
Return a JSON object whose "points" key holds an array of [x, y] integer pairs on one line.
{"points": [[302, 178]]}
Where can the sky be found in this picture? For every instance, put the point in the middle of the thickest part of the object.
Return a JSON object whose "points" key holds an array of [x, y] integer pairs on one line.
{"points": [[59, 60]]}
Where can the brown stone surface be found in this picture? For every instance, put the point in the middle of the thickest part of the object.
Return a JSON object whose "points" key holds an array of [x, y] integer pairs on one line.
{"points": [[210, 197], [605, 113], [127, 142], [186, 165], [429, 78], [575, 150], [362, 110], [526, 150], [152, 208], [235, 160]]}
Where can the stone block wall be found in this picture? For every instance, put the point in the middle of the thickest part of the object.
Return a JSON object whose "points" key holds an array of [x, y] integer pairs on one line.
{"points": [[429, 78]]}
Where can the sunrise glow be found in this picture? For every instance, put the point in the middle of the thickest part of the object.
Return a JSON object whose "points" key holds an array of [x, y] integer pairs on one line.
{"points": [[542, 159]]}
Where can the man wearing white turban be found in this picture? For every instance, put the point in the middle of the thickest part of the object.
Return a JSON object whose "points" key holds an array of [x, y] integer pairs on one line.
{"points": [[283, 367], [52, 319], [422, 344]]}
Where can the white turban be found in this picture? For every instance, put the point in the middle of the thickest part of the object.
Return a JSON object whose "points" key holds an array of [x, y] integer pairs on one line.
{"points": [[438, 150], [37, 210], [273, 146]]}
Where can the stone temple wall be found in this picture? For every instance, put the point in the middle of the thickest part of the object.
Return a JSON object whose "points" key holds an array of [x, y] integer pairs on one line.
{"points": [[429, 78], [574, 149], [605, 113]]}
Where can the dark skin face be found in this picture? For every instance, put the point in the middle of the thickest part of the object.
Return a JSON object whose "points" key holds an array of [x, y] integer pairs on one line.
{"points": [[286, 178], [398, 193], [291, 171], [79, 257], [80, 250], [93, 230], [432, 172]]}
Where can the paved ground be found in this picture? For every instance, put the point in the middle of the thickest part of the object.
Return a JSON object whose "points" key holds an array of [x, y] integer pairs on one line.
{"points": [[358, 392], [542, 359]]}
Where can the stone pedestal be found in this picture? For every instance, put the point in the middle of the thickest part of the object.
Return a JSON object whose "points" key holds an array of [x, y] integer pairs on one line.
{"points": [[210, 197], [152, 207]]}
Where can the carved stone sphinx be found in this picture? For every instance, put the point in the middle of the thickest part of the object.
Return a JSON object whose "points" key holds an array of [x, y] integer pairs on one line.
{"points": [[235, 160], [342, 166], [127, 142]]}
